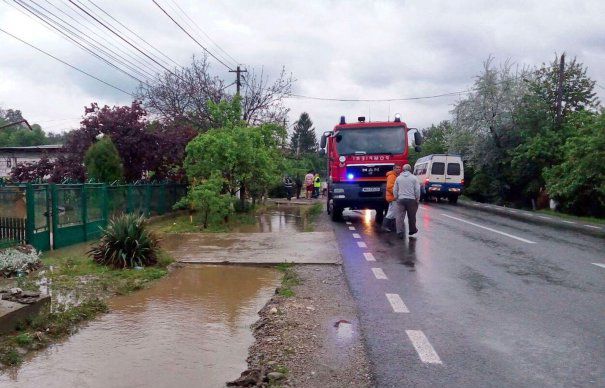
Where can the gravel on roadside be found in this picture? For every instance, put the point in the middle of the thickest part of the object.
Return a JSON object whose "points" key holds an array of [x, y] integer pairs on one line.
{"points": [[311, 339]]}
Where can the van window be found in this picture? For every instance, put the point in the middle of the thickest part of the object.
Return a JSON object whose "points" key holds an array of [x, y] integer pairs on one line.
{"points": [[438, 168], [453, 169]]}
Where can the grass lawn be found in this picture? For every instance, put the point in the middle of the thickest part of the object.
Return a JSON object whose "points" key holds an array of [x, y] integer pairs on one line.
{"points": [[593, 220]]}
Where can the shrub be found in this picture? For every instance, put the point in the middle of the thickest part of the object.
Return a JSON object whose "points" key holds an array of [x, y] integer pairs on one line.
{"points": [[20, 260], [103, 162], [207, 199], [126, 243]]}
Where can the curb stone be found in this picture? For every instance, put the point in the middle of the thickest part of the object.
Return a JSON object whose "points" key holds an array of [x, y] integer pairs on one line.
{"points": [[580, 226]]}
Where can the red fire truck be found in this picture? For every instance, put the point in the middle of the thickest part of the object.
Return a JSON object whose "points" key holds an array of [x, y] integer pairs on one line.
{"points": [[359, 156]]}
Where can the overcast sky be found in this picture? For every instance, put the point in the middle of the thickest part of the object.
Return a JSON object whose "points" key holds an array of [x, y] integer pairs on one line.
{"points": [[342, 49]]}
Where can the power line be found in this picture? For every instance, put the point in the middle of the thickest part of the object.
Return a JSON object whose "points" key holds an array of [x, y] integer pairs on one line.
{"points": [[235, 62], [139, 62], [188, 34], [121, 37], [66, 63], [135, 34], [67, 33], [377, 99]]}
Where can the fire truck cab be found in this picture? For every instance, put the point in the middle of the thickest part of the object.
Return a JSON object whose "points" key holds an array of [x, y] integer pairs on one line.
{"points": [[359, 155]]}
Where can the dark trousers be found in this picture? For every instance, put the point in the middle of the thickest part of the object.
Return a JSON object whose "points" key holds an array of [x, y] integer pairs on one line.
{"points": [[288, 192], [409, 207]]}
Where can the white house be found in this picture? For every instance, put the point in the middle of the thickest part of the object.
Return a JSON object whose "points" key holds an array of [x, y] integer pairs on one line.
{"points": [[13, 156]]}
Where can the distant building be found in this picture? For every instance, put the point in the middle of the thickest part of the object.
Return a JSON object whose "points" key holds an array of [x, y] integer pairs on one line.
{"points": [[13, 156]]}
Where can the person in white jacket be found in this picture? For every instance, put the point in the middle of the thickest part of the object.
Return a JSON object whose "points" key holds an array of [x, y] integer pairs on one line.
{"points": [[407, 195]]}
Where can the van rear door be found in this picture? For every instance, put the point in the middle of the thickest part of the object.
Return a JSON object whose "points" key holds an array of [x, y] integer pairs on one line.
{"points": [[453, 171], [437, 173]]}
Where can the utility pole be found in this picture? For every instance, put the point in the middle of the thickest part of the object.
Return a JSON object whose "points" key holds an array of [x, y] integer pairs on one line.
{"points": [[560, 90], [238, 72]]}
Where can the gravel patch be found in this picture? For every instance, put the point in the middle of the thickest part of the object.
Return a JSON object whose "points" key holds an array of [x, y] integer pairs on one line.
{"points": [[311, 339]]}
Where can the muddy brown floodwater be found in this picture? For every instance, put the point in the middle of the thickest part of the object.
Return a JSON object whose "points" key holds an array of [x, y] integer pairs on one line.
{"points": [[190, 329]]}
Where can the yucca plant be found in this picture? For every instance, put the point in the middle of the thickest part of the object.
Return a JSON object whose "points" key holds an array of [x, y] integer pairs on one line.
{"points": [[126, 243]]}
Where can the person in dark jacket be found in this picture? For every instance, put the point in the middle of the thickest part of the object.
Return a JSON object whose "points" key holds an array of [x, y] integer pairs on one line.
{"points": [[288, 186], [298, 186]]}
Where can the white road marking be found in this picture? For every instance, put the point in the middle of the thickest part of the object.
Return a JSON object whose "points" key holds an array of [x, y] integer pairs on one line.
{"points": [[490, 229], [546, 218], [369, 256], [379, 273], [425, 350], [351, 228], [592, 226], [349, 223], [397, 304], [356, 235], [568, 222], [361, 244], [512, 211], [599, 265]]}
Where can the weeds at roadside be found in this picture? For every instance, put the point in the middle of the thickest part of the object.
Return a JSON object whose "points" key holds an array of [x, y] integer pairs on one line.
{"points": [[289, 279], [36, 333]]}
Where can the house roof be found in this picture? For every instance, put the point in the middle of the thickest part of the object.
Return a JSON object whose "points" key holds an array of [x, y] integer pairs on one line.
{"points": [[48, 147]]}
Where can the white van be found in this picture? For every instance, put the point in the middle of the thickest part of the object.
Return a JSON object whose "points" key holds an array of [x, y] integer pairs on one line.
{"points": [[440, 176]]}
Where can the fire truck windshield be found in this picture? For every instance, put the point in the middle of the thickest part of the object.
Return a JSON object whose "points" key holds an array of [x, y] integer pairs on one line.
{"points": [[389, 140]]}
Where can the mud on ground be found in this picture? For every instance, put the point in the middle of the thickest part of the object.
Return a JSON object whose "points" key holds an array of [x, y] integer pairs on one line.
{"points": [[311, 339]]}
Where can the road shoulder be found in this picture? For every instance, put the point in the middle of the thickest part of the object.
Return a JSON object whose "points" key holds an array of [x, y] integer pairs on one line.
{"points": [[308, 334]]}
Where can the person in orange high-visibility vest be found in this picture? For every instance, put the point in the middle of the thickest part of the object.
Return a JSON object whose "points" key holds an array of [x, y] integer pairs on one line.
{"points": [[389, 219]]}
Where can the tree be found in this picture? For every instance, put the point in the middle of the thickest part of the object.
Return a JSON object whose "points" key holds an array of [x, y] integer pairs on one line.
{"points": [[578, 183], [208, 199], [486, 119], [182, 94], [303, 139], [246, 157], [103, 163], [262, 101], [578, 89]]}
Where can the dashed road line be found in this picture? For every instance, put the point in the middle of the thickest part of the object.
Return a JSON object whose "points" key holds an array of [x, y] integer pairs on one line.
{"points": [[349, 223], [599, 265], [546, 218], [369, 256], [568, 222], [361, 244], [423, 347], [356, 235], [397, 304], [379, 274], [512, 211], [490, 229], [351, 228], [591, 226]]}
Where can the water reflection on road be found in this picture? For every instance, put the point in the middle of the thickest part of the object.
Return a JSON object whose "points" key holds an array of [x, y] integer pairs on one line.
{"points": [[190, 329]]}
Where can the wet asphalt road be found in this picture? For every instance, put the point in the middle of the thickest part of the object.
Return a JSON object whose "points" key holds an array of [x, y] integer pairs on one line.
{"points": [[515, 305]]}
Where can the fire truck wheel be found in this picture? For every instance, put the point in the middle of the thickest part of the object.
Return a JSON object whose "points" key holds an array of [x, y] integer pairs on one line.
{"points": [[337, 213]]}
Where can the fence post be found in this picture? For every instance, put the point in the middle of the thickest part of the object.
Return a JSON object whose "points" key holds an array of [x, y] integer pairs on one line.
{"points": [[147, 200], [105, 204], [129, 205], [84, 211], [30, 224], [54, 209]]}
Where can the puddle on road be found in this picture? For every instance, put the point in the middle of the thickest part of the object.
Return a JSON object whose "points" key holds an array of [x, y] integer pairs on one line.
{"points": [[190, 329], [284, 219]]}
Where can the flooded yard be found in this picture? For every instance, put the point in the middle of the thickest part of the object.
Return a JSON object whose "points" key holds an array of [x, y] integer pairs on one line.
{"points": [[190, 329]]}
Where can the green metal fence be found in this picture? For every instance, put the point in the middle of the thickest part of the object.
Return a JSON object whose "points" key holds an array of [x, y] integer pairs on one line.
{"points": [[60, 215]]}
